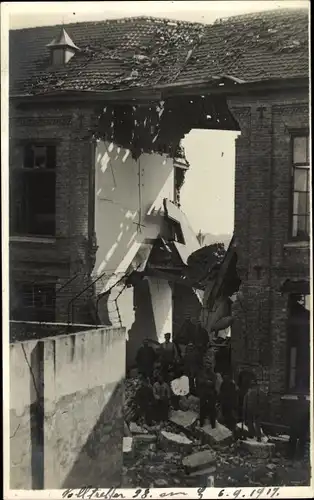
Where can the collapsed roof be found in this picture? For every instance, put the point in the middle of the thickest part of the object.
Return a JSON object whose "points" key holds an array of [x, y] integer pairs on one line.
{"points": [[151, 53]]}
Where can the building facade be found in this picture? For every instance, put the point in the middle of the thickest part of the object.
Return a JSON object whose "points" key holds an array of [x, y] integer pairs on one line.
{"points": [[98, 116], [271, 334]]}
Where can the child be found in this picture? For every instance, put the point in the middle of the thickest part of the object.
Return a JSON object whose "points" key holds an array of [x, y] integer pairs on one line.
{"points": [[162, 394]]}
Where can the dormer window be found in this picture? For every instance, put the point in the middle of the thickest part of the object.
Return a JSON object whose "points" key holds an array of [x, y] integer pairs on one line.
{"points": [[62, 49]]}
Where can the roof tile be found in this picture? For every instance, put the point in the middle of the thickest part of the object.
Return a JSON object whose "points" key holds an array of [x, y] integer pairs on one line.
{"points": [[147, 52]]}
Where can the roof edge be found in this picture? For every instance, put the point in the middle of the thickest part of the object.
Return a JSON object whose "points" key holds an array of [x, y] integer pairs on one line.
{"points": [[172, 90]]}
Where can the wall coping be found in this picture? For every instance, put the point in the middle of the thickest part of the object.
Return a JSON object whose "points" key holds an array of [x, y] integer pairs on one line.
{"points": [[31, 239]]}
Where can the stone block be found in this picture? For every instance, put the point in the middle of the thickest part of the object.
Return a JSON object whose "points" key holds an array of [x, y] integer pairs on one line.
{"points": [[183, 419], [204, 472], [144, 440], [136, 429], [199, 461], [128, 448], [259, 450], [169, 441], [220, 435]]}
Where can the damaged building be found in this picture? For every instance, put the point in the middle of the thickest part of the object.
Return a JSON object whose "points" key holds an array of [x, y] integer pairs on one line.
{"points": [[98, 111]]}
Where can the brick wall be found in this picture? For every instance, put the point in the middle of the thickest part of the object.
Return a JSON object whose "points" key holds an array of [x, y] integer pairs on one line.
{"points": [[266, 256], [71, 250]]}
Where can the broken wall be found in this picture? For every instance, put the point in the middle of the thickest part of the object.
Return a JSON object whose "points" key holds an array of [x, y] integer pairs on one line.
{"points": [[153, 315], [129, 194], [66, 399]]}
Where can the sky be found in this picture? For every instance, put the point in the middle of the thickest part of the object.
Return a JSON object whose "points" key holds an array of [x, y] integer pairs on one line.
{"points": [[207, 196]]}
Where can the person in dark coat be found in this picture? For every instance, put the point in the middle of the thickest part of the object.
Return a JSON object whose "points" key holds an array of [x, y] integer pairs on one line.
{"points": [[191, 365], [206, 390], [228, 397], [144, 399], [145, 360], [169, 357], [299, 428]]}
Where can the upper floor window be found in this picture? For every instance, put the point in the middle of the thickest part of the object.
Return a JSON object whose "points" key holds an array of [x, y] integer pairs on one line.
{"points": [[301, 188], [33, 190]]}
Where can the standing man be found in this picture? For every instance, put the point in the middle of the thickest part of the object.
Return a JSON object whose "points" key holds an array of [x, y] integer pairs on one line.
{"points": [[168, 357], [206, 389], [191, 365], [229, 402], [145, 359], [253, 407]]}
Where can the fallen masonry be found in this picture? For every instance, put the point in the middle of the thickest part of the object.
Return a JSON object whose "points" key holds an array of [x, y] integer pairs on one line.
{"points": [[183, 419], [136, 429], [176, 442], [260, 450], [128, 449], [220, 435], [199, 461], [181, 453], [143, 441]]}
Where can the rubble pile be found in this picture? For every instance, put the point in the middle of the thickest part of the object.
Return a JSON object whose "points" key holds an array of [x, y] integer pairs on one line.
{"points": [[180, 453]]}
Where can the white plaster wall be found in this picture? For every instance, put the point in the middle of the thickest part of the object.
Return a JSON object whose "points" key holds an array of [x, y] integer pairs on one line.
{"points": [[161, 297], [22, 388], [124, 307], [120, 203], [81, 373], [79, 362]]}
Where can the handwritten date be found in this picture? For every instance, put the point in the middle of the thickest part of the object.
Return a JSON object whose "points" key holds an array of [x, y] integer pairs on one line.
{"points": [[88, 493]]}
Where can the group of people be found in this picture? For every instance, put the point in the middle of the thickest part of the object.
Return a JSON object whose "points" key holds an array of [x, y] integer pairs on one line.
{"points": [[219, 395], [157, 368]]}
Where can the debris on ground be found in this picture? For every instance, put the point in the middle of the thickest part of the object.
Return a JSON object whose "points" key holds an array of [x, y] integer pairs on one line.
{"points": [[136, 429], [219, 435], [260, 450], [199, 461], [183, 419], [171, 441], [180, 453]]}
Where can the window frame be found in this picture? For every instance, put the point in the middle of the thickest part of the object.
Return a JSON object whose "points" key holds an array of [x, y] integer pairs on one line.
{"points": [[21, 171], [295, 133]]}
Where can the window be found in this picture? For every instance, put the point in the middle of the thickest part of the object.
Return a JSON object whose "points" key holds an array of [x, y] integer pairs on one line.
{"points": [[298, 376], [33, 302], [33, 190], [301, 188]]}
